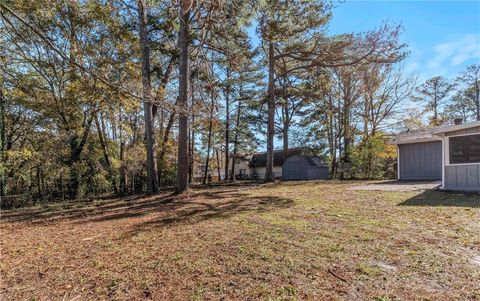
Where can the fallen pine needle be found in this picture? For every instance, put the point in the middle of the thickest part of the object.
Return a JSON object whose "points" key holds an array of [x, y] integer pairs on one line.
{"points": [[336, 276]]}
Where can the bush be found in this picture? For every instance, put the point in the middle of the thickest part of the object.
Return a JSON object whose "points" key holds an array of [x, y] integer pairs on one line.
{"points": [[373, 158]]}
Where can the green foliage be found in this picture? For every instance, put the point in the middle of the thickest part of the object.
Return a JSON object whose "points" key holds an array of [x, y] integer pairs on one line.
{"points": [[374, 158], [72, 120]]}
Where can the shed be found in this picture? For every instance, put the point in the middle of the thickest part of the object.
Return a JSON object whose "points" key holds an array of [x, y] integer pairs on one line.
{"points": [[301, 167], [449, 153], [258, 162]]}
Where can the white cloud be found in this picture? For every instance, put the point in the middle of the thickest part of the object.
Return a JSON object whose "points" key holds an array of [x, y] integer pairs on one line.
{"points": [[412, 66], [455, 52]]}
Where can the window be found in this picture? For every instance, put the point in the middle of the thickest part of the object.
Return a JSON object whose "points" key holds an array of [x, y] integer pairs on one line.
{"points": [[465, 149]]}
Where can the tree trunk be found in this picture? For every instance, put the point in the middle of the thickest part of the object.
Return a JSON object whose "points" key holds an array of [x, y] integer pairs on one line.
{"points": [[218, 166], [191, 141], [123, 176], [271, 113], [366, 118], [3, 182], [152, 176], [227, 123], [163, 85], [347, 140], [209, 143], [347, 134], [76, 149], [191, 154], [62, 185], [235, 140], [163, 147], [39, 184], [182, 162], [285, 130], [103, 144], [331, 137]]}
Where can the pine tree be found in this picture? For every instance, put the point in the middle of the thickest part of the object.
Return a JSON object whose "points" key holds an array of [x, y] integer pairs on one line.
{"points": [[434, 92], [471, 79], [152, 174]]}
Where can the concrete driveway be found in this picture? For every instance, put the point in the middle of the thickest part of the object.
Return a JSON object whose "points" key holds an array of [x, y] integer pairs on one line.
{"points": [[399, 186]]}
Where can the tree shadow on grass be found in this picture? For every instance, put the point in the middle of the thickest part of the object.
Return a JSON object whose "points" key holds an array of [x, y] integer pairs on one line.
{"points": [[70, 209], [184, 212], [169, 209], [445, 199]]}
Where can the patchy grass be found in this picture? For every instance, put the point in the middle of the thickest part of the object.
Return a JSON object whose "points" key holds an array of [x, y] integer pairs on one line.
{"points": [[289, 241]]}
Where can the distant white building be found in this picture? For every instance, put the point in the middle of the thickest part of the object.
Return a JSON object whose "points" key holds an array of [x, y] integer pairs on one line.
{"points": [[217, 171]]}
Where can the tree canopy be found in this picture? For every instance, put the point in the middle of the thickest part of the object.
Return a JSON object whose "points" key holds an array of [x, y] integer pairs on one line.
{"points": [[131, 96]]}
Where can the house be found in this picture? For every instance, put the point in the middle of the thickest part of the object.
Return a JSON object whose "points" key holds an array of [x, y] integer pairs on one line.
{"points": [[299, 165], [296, 164], [448, 153], [216, 170], [242, 170]]}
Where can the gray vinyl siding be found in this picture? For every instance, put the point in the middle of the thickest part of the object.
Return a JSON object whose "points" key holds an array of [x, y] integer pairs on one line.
{"points": [[298, 167], [421, 161], [462, 177]]}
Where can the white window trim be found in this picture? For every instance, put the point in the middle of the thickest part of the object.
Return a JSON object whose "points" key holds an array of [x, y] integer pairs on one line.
{"points": [[446, 148]]}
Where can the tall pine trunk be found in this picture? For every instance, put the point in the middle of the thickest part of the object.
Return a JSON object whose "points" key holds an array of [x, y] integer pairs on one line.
{"points": [[227, 123], [286, 128], [182, 161], [332, 148], [271, 113], [209, 143], [3, 182], [191, 149], [152, 176], [218, 165], [235, 141], [123, 176]]}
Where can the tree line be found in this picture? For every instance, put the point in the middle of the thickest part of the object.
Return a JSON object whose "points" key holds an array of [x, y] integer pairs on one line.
{"points": [[102, 96]]}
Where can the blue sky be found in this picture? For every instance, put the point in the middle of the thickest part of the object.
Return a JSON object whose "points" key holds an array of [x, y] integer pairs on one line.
{"points": [[443, 36]]}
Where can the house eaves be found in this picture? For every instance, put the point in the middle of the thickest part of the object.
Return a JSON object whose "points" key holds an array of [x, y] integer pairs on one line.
{"points": [[431, 134], [453, 128]]}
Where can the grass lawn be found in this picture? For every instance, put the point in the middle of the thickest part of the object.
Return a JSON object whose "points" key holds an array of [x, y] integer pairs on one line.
{"points": [[289, 241]]}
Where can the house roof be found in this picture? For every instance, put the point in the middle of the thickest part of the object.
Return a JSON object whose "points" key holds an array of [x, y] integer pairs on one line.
{"points": [[315, 161], [260, 159], [452, 128], [431, 133], [422, 135]]}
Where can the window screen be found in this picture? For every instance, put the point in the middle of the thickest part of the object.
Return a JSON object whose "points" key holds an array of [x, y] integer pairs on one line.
{"points": [[465, 149]]}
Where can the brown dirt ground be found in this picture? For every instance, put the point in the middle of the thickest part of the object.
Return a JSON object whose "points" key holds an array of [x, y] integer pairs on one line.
{"points": [[288, 241]]}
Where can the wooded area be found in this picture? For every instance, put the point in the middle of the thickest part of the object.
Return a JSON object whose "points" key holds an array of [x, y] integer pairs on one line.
{"points": [[122, 97]]}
